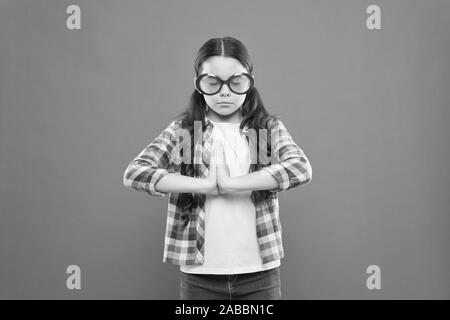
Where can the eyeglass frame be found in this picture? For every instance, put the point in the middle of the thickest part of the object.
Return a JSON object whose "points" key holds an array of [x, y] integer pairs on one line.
{"points": [[198, 78]]}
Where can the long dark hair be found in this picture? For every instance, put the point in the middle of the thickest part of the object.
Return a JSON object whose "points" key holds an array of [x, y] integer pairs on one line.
{"points": [[255, 115]]}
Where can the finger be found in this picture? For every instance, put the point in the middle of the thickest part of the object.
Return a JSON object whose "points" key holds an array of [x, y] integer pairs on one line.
{"points": [[221, 148], [213, 165], [216, 151]]}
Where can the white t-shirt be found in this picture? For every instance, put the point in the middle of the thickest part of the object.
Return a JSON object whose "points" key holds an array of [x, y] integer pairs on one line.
{"points": [[231, 244]]}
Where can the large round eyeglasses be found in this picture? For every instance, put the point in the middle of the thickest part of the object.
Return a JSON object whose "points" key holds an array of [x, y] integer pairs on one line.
{"points": [[210, 84]]}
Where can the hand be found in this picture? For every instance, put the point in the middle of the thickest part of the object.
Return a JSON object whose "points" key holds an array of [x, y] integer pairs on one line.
{"points": [[215, 191], [223, 173], [212, 187]]}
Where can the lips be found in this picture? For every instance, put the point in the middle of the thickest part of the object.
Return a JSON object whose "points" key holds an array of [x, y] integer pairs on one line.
{"points": [[223, 102]]}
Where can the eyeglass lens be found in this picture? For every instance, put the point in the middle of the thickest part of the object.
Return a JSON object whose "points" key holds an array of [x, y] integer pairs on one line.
{"points": [[211, 85]]}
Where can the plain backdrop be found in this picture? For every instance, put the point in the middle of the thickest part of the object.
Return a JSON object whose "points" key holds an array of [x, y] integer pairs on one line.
{"points": [[370, 108]]}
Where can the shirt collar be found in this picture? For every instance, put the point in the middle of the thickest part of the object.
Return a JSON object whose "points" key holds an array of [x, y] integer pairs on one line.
{"points": [[208, 122]]}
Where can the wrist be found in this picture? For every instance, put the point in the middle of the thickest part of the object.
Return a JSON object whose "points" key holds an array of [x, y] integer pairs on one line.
{"points": [[226, 185], [208, 186]]}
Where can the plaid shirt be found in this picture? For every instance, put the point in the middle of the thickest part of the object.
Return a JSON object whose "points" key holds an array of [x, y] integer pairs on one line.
{"points": [[184, 240]]}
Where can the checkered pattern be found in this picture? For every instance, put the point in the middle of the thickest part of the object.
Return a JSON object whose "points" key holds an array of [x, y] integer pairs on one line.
{"points": [[185, 229]]}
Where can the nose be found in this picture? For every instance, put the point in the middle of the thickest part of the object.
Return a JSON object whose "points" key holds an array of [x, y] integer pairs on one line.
{"points": [[225, 90]]}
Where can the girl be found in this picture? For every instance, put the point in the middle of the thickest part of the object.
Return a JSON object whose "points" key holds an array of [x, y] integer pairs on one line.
{"points": [[223, 226]]}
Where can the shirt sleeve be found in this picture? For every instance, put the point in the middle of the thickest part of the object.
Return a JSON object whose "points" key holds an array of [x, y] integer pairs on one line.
{"points": [[152, 163], [290, 167]]}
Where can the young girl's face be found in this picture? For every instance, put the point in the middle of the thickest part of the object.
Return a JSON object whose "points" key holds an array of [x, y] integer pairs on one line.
{"points": [[223, 67]]}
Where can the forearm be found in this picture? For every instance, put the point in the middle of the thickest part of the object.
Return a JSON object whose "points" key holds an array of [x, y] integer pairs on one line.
{"points": [[173, 182], [257, 180]]}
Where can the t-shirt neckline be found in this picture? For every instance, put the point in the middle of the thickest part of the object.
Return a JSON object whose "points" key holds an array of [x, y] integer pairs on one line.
{"points": [[229, 123]]}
